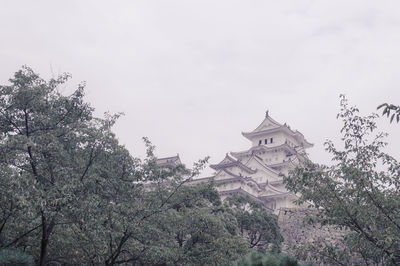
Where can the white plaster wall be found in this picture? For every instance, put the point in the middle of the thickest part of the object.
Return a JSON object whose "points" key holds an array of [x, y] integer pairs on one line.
{"points": [[228, 186], [293, 141], [262, 177], [278, 139], [273, 157], [259, 177], [250, 190], [235, 170], [280, 187], [285, 170], [221, 175], [236, 185], [282, 203]]}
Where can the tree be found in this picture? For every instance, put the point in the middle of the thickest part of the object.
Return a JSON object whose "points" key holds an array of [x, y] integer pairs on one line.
{"points": [[388, 108], [196, 230], [358, 194], [71, 194], [167, 223], [51, 150], [255, 223]]}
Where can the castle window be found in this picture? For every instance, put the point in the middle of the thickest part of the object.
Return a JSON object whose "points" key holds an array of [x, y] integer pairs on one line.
{"points": [[265, 141], [272, 140], [260, 142]]}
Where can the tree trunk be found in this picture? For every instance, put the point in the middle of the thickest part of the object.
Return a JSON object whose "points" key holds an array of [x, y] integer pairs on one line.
{"points": [[44, 242], [46, 232]]}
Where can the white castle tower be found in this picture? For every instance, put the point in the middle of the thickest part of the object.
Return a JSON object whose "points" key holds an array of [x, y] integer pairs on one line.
{"points": [[255, 172]]}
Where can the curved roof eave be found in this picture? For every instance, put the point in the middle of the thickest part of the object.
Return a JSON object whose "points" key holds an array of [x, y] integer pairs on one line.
{"points": [[262, 164], [227, 156], [276, 190], [275, 195], [233, 162], [264, 147]]}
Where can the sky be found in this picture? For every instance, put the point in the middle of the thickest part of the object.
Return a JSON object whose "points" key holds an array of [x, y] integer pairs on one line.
{"points": [[192, 75]]}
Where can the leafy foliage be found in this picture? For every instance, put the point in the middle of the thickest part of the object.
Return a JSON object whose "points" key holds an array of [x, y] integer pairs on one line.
{"points": [[48, 145], [255, 223], [359, 193], [267, 259], [9, 257], [202, 230], [387, 110], [71, 194]]}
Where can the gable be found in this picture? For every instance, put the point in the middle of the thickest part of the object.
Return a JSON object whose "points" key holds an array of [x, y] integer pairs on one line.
{"points": [[228, 173], [220, 175], [264, 173], [267, 123], [245, 184], [256, 163], [227, 160]]}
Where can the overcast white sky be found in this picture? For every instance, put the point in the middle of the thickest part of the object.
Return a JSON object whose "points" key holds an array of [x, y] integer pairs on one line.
{"points": [[192, 75]]}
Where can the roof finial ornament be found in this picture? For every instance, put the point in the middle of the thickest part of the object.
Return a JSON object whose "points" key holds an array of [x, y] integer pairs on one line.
{"points": [[266, 113]]}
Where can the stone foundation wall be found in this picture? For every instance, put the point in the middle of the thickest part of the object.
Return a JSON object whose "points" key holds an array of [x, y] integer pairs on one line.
{"points": [[298, 233]]}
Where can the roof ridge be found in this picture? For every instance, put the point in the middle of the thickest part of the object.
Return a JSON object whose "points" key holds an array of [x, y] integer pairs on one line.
{"points": [[171, 157]]}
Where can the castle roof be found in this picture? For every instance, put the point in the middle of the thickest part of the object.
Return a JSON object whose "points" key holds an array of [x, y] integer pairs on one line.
{"points": [[169, 161], [260, 162], [265, 148], [230, 161], [269, 125]]}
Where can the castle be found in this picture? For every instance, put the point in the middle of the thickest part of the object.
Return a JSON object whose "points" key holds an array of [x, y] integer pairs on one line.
{"points": [[275, 149], [256, 172]]}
